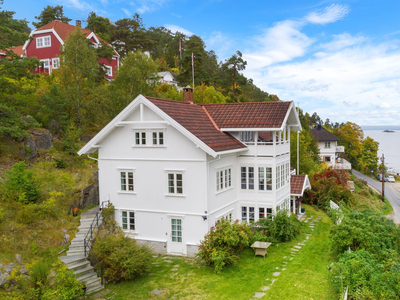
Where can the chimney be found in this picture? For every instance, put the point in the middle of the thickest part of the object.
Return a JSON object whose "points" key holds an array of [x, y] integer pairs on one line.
{"points": [[78, 23], [188, 94]]}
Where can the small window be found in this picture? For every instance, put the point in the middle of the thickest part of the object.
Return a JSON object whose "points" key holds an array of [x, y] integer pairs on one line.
{"points": [[108, 70], [224, 179], [175, 183], [43, 41], [327, 144], [247, 178], [158, 138], [264, 212], [247, 136], [127, 181], [46, 63], [140, 138], [128, 220], [265, 179], [247, 214], [56, 63]]}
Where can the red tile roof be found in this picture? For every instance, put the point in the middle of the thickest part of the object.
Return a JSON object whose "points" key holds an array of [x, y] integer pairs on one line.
{"points": [[17, 50], [249, 114], [195, 119], [297, 184], [64, 30]]}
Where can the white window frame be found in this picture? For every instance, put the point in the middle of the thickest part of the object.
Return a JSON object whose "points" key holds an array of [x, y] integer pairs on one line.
{"points": [[126, 173], [263, 179], [178, 228], [41, 41], [247, 213], [174, 177], [327, 144], [55, 62], [140, 138], [247, 136], [129, 215], [158, 138], [264, 212], [46, 62], [227, 216], [278, 177], [246, 181], [223, 179], [109, 71]]}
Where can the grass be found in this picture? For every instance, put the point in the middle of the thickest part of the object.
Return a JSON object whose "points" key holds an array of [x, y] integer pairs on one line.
{"points": [[305, 276]]}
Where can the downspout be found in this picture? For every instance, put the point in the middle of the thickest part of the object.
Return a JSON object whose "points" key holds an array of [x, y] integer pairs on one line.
{"points": [[96, 159]]}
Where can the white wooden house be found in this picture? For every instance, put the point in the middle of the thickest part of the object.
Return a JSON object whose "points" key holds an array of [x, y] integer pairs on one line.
{"points": [[173, 168]]}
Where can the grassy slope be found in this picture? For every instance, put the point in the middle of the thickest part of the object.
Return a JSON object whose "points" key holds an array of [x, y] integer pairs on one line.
{"points": [[305, 277]]}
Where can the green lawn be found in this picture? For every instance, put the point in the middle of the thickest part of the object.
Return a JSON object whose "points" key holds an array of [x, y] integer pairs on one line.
{"points": [[305, 276]]}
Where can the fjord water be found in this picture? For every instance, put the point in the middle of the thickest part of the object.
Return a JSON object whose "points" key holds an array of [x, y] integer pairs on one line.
{"points": [[389, 143]]}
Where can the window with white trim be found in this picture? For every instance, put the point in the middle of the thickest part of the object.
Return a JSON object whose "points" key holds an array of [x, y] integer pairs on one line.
{"points": [[287, 173], [46, 63], [108, 70], [282, 175], [175, 183], [248, 214], [56, 63], [278, 177], [176, 230], [265, 179], [284, 205], [43, 41], [224, 179], [127, 181], [140, 138], [247, 178], [128, 220], [327, 144], [247, 136], [227, 216], [264, 212], [158, 138]]}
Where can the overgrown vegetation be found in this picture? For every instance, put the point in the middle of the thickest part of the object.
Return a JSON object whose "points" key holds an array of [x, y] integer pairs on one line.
{"points": [[280, 228], [222, 245], [367, 244]]}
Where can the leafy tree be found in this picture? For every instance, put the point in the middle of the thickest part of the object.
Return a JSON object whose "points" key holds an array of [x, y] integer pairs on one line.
{"points": [[196, 46], [129, 35], [235, 64], [172, 54], [369, 155], [49, 14], [99, 25], [309, 162], [168, 91], [135, 76], [12, 32], [159, 37], [315, 119], [351, 136], [207, 94], [78, 77]]}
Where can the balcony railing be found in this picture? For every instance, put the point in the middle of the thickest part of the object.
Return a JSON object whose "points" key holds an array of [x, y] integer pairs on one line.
{"points": [[339, 149], [340, 164]]}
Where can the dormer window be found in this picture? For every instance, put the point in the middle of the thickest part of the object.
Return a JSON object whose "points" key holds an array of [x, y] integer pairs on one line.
{"points": [[43, 41], [246, 136]]}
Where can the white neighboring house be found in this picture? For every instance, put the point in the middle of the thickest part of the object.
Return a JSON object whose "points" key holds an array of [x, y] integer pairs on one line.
{"points": [[168, 77], [328, 148], [173, 168]]}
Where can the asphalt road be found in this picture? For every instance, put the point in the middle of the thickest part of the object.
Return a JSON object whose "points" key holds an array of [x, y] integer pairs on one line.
{"points": [[392, 192]]}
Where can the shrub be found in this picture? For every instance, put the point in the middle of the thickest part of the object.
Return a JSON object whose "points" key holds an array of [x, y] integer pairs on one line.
{"points": [[19, 185], [121, 257], [279, 228], [326, 186], [221, 246]]}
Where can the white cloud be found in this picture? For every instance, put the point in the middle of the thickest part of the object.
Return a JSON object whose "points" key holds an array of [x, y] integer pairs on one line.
{"points": [[280, 43], [220, 43], [176, 28], [329, 14], [78, 4], [127, 12], [104, 2], [341, 41], [149, 5], [384, 105]]}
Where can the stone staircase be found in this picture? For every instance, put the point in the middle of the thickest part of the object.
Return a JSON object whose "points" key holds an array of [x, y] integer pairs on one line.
{"points": [[76, 260]]}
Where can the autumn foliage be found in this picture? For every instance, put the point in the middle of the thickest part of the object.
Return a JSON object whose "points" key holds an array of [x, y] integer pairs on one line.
{"points": [[326, 186]]}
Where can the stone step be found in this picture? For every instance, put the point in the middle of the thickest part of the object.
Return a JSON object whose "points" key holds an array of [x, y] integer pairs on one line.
{"points": [[76, 247], [70, 261], [90, 278], [94, 287], [75, 252], [84, 271], [80, 266]]}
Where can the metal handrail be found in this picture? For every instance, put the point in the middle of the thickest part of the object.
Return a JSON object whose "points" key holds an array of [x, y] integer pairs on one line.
{"points": [[87, 242]]}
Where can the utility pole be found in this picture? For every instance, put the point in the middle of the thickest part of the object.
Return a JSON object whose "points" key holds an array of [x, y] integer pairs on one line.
{"points": [[383, 177]]}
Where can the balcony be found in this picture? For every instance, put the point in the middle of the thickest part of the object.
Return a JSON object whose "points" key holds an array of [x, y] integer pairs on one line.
{"points": [[268, 148], [340, 164], [339, 149]]}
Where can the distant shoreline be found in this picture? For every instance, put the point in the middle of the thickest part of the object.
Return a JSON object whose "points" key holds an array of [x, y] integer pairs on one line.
{"points": [[381, 127]]}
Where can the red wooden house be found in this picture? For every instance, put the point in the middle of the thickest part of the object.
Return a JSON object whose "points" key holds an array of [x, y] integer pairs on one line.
{"points": [[46, 42]]}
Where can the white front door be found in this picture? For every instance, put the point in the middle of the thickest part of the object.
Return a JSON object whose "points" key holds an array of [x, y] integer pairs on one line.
{"points": [[176, 241]]}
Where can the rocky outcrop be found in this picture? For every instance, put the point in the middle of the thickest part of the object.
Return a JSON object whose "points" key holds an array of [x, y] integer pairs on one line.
{"points": [[90, 194], [39, 139]]}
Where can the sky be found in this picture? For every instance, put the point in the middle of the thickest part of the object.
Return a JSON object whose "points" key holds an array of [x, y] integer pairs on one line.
{"points": [[340, 59]]}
